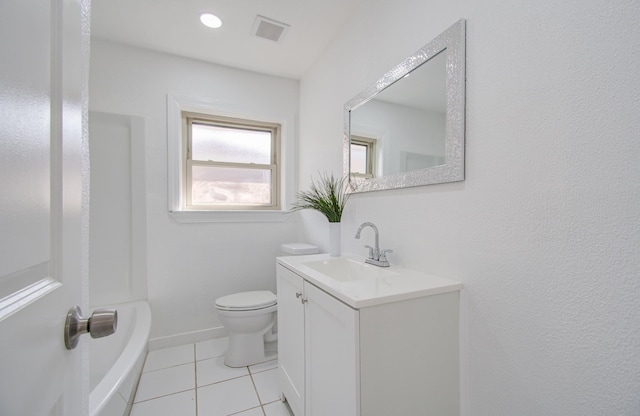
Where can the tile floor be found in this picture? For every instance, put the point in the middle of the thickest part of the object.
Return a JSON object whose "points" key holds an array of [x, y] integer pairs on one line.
{"points": [[192, 380]]}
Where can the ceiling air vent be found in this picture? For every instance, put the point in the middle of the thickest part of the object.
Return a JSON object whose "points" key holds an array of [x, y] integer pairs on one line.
{"points": [[270, 29]]}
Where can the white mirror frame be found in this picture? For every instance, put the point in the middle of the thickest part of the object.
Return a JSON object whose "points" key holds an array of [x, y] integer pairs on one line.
{"points": [[453, 40]]}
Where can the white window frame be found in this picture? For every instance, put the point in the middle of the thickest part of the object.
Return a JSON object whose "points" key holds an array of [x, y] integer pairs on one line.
{"points": [[189, 118], [176, 155], [370, 144]]}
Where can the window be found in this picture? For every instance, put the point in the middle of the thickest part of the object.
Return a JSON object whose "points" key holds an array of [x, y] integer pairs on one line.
{"points": [[230, 163], [243, 115], [363, 151]]}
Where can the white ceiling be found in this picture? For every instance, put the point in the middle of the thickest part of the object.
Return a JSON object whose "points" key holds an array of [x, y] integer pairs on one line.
{"points": [[173, 26]]}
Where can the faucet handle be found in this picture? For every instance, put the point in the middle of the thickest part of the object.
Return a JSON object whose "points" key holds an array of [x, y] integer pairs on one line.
{"points": [[370, 251], [383, 254]]}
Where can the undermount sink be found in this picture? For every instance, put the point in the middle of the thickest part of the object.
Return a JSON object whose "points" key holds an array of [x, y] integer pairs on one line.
{"points": [[345, 269]]}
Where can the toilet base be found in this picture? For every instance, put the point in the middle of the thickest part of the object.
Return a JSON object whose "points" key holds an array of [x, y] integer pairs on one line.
{"points": [[248, 349]]}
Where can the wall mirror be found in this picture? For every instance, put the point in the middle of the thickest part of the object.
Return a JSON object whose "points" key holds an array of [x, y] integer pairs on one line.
{"points": [[407, 128]]}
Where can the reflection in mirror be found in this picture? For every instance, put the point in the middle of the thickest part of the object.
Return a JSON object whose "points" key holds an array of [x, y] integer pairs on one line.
{"points": [[406, 120], [407, 129], [363, 156]]}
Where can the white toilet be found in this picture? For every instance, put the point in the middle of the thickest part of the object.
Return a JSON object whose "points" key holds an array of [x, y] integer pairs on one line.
{"points": [[250, 318]]}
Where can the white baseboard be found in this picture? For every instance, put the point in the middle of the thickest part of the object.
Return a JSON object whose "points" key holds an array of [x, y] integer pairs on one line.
{"points": [[186, 338]]}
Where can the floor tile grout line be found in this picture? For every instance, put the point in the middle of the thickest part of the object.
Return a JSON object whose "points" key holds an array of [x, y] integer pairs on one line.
{"points": [[242, 411], [255, 388], [222, 381], [262, 371], [195, 372], [209, 358], [165, 368], [206, 357], [146, 356], [163, 395]]}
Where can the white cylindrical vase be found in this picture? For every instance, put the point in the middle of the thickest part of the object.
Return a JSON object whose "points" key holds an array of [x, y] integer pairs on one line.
{"points": [[334, 239]]}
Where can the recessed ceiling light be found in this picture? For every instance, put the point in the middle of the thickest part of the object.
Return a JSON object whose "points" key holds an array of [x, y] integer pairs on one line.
{"points": [[210, 20]]}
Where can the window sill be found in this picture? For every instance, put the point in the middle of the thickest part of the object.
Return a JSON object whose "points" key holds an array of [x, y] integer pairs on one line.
{"points": [[229, 216]]}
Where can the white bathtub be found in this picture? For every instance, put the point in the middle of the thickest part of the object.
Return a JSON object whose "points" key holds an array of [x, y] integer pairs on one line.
{"points": [[115, 362]]}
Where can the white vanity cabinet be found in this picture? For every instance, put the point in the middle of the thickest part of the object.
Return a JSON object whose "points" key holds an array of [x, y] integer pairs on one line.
{"points": [[317, 341], [398, 356]]}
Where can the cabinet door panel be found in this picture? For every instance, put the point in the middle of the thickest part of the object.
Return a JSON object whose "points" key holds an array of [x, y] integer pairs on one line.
{"points": [[291, 339], [331, 340]]}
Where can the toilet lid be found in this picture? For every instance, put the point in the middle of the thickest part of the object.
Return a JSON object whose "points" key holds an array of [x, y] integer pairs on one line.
{"points": [[247, 300]]}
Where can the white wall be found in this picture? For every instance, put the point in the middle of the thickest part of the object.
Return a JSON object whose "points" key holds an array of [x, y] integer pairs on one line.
{"points": [[117, 237], [190, 265], [545, 230]]}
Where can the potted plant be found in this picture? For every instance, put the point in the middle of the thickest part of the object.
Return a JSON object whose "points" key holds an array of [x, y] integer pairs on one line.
{"points": [[328, 196]]}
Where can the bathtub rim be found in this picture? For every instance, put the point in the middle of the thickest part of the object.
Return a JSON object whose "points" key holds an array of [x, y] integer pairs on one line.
{"points": [[135, 347]]}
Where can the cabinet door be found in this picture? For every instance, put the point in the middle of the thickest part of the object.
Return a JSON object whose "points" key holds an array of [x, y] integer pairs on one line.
{"points": [[291, 339], [332, 360]]}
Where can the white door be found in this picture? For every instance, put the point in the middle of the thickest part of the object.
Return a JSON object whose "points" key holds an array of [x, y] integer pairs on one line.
{"points": [[43, 204], [332, 370]]}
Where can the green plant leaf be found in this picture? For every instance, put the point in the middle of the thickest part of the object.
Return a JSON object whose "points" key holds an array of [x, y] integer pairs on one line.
{"points": [[327, 196]]}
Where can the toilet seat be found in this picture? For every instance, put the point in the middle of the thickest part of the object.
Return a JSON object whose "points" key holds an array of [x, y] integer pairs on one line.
{"points": [[247, 301]]}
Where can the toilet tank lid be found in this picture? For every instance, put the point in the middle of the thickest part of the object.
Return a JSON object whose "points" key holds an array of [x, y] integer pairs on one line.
{"points": [[299, 248], [245, 300]]}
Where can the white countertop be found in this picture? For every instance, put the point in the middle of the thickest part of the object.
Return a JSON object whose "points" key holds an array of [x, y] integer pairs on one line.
{"points": [[386, 284]]}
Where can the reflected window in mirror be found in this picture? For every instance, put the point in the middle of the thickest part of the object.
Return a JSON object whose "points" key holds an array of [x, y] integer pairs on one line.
{"points": [[363, 156]]}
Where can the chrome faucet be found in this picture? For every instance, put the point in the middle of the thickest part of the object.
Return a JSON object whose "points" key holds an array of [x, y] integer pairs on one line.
{"points": [[376, 257]]}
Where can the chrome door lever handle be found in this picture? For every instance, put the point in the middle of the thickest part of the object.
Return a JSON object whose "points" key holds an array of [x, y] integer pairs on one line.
{"points": [[102, 322]]}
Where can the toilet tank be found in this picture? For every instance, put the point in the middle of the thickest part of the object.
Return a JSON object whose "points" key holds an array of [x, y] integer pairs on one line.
{"points": [[297, 249]]}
